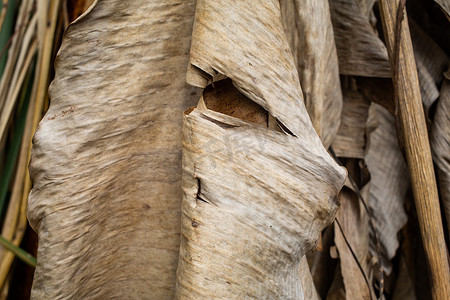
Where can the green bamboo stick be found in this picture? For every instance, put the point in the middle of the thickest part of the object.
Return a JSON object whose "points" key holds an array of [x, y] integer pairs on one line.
{"points": [[18, 252]]}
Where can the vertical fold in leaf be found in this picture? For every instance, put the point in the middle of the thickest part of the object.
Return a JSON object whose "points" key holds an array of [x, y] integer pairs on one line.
{"points": [[310, 35]]}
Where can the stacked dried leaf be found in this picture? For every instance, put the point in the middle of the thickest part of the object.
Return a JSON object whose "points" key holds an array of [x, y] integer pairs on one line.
{"points": [[258, 183]]}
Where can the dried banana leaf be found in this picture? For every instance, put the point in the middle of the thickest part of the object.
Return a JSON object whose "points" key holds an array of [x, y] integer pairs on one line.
{"points": [[360, 51], [366, 7], [445, 6], [105, 163], [351, 139], [353, 227], [440, 144], [389, 184], [309, 289], [253, 204], [431, 63], [105, 159], [309, 31], [404, 287], [255, 200], [352, 222], [223, 97]]}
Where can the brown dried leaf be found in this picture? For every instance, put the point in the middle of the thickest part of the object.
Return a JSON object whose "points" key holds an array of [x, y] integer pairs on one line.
{"points": [[389, 184], [431, 63], [353, 220], [309, 31], [445, 6], [440, 144], [351, 139], [360, 51]]}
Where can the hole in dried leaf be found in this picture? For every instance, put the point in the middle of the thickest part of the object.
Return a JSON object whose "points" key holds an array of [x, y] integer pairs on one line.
{"points": [[223, 97]]}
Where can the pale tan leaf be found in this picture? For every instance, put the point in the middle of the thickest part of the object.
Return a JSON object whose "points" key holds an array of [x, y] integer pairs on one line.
{"points": [[105, 163], [309, 290], [261, 34], [255, 200], [309, 31], [106, 156]]}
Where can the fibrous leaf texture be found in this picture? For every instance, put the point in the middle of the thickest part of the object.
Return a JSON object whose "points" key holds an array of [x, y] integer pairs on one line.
{"points": [[106, 162], [360, 51], [255, 199], [309, 31], [389, 184], [352, 217], [431, 63], [440, 144]]}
